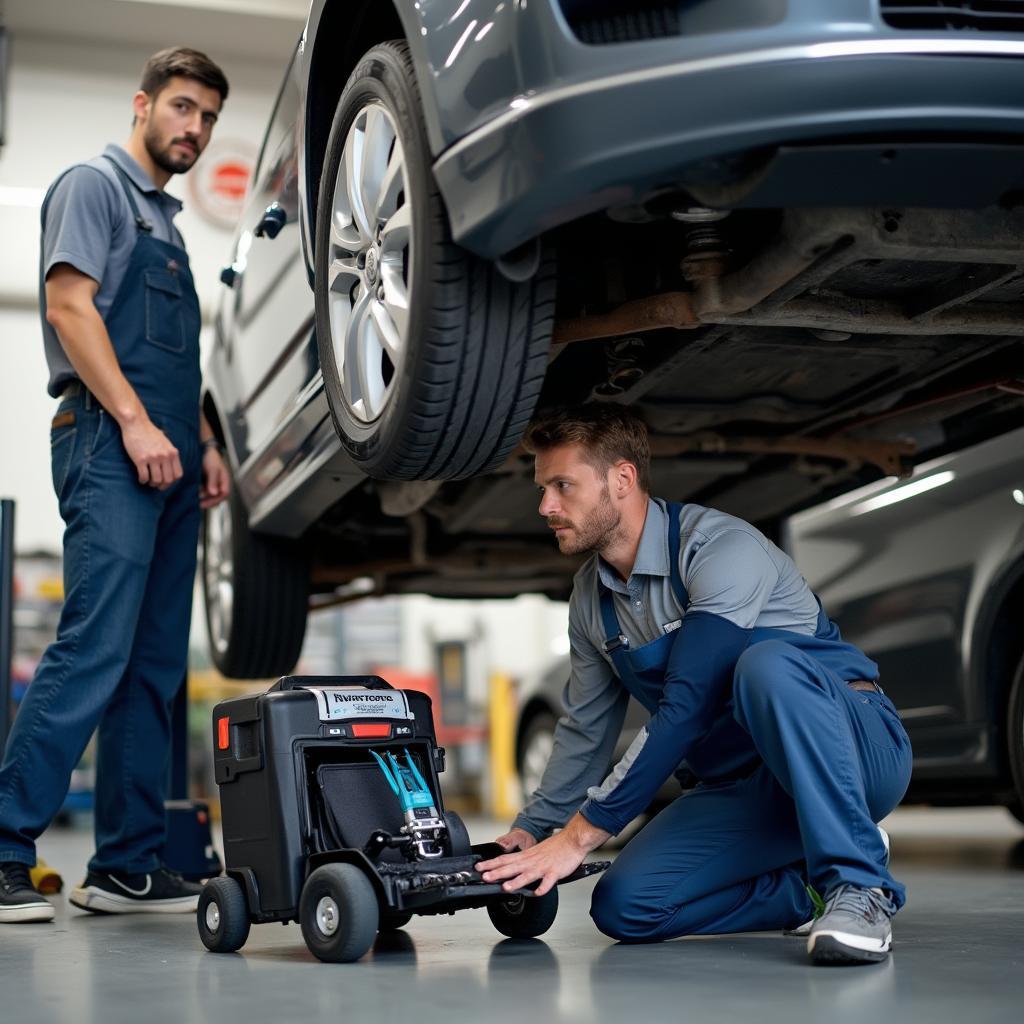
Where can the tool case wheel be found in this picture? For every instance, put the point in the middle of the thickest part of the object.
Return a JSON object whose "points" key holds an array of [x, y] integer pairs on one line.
{"points": [[338, 913], [223, 915], [524, 917], [458, 836]]}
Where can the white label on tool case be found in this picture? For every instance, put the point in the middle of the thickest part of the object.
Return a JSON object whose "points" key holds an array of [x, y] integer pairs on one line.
{"points": [[349, 703]]}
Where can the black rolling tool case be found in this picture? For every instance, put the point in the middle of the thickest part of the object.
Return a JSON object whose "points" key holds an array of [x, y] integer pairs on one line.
{"points": [[297, 778]]}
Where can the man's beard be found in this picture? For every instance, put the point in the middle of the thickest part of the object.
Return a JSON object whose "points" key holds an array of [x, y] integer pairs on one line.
{"points": [[162, 157], [595, 533]]}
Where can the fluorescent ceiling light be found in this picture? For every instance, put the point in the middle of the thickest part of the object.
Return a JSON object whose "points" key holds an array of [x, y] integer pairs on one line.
{"points": [[915, 487], [31, 198], [292, 10]]}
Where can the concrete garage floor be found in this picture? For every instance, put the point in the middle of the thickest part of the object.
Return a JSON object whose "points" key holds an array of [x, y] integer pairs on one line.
{"points": [[958, 957]]}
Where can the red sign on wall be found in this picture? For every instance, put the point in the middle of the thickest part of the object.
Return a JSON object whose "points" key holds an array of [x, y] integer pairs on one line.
{"points": [[219, 181]]}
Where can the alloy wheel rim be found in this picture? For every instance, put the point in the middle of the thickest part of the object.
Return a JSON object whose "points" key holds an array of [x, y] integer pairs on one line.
{"points": [[218, 575], [535, 759], [369, 275], [327, 915]]}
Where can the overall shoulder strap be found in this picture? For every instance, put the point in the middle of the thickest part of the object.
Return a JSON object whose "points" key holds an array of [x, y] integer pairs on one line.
{"points": [[674, 510], [613, 638], [129, 190]]}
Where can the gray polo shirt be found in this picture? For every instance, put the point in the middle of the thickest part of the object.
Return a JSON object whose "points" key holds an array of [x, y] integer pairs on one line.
{"points": [[88, 223], [729, 569]]}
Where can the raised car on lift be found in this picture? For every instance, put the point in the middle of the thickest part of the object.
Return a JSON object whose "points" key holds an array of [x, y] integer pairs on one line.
{"points": [[789, 234]]}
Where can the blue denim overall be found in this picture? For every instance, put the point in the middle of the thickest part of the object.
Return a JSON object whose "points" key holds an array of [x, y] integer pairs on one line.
{"points": [[794, 772], [129, 561]]}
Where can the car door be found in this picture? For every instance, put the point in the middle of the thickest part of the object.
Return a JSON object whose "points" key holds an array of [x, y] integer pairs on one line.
{"points": [[270, 350]]}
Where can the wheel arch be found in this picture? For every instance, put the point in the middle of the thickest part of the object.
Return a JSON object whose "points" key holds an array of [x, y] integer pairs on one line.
{"points": [[999, 641], [341, 35]]}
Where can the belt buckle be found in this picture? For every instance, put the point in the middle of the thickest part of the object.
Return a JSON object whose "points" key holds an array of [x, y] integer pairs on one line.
{"points": [[612, 645]]}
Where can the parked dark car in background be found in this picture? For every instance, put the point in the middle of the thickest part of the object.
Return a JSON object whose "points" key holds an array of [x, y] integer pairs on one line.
{"points": [[789, 234], [927, 576]]}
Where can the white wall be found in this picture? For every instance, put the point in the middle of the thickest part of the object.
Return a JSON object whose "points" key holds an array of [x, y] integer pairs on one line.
{"points": [[66, 101]]}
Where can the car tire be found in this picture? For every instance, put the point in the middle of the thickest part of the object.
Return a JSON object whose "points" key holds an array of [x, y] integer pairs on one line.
{"points": [[432, 360], [534, 751], [338, 913], [223, 916], [1015, 739], [256, 595], [524, 917]]}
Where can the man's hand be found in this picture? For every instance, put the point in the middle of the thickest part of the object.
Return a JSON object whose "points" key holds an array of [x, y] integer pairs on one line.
{"points": [[216, 479], [548, 861], [156, 460], [516, 839]]}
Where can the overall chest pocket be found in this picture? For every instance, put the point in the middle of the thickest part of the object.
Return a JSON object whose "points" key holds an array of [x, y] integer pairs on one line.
{"points": [[165, 321]]}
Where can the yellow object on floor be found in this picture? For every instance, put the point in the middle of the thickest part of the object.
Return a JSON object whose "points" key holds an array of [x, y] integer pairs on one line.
{"points": [[45, 879]]}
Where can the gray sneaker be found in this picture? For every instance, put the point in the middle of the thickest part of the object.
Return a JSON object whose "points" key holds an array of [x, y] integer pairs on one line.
{"points": [[854, 929], [801, 931]]}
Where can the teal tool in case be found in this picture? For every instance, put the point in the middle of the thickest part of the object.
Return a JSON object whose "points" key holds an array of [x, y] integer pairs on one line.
{"points": [[422, 821]]}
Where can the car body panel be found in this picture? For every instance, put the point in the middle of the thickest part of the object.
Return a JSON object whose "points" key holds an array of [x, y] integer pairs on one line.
{"points": [[910, 582], [509, 92], [498, 178]]}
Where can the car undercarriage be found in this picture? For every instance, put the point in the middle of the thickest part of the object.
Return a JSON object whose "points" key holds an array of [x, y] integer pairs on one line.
{"points": [[779, 357]]}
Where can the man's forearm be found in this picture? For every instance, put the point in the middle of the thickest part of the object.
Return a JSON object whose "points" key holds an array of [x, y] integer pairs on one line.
{"points": [[84, 338]]}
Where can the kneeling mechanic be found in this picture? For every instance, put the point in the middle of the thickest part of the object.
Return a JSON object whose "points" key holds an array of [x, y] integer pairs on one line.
{"points": [[712, 629]]}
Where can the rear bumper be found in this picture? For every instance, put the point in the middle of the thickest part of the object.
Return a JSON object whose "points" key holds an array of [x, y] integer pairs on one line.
{"points": [[561, 152]]}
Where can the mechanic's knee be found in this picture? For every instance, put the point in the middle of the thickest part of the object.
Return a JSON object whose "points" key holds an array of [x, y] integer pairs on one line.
{"points": [[617, 912], [765, 674]]}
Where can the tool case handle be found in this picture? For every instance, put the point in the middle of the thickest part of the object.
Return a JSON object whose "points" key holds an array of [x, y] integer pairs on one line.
{"points": [[334, 682]]}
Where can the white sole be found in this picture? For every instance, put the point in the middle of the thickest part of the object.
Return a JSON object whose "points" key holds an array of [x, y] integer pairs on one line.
{"points": [[98, 901], [23, 915], [861, 943]]}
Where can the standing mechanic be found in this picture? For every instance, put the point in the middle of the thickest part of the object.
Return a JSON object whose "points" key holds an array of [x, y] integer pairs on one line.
{"points": [[712, 629], [133, 462]]}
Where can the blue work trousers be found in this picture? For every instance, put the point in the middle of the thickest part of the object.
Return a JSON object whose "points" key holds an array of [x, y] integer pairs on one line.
{"points": [[121, 650], [736, 856]]}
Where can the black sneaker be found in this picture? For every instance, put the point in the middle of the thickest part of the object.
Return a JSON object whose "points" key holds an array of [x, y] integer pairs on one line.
{"points": [[19, 899], [159, 892]]}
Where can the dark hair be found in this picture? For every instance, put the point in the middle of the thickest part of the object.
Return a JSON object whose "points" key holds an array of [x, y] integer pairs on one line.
{"points": [[606, 433], [181, 62]]}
